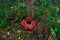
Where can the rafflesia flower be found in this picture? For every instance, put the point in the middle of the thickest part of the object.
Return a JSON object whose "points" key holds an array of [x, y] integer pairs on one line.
{"points": [[28, 23]]}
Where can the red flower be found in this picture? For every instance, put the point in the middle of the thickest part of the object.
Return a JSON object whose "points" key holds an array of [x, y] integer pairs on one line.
{"points": [[28, 23]]}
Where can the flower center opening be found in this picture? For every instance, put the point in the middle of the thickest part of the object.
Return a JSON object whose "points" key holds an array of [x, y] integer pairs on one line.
{"points": [[28, 22]]}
